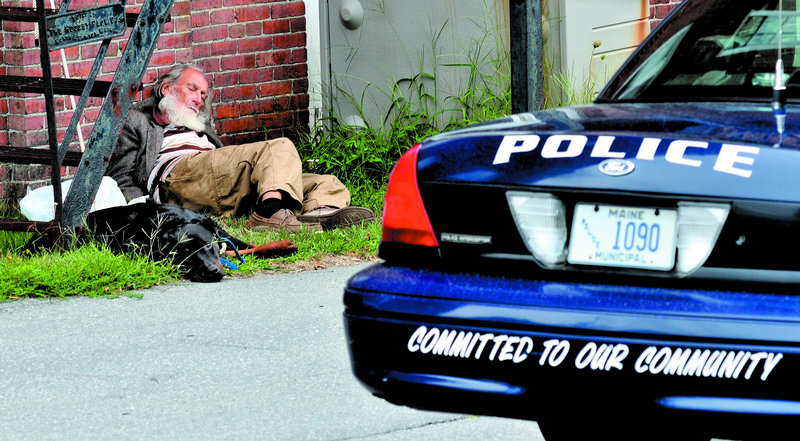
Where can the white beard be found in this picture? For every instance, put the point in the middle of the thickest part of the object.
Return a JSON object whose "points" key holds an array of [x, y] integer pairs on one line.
{"points": [[181, 115]]}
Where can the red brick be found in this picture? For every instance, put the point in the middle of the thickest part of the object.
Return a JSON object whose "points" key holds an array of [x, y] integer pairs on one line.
{"points": [[182, 24], [180, 8], [299, 55], [183, 56], [255, 13], [202, 5], [259, 44], [223, 48], [254, 107], [90, 51], [21, 40], [276, 26], [163, 58], [110, 65], [247, 138], [200, 19], [16, 26], [238, 92], [278, 103], [238, 62], [22, 57], [289, 40], [226, 79], [236, 31], [168, 27], [13, 58], [301, 118], [275, 88], [663, 11], [25, 106], [299, 101], [245, 2], [223, 16], [292, 71], [211, 33], [174, 41], [201, 51], [149, 76], [273, 58], [292, 9], [252, 29], [229, 110], [239, 125], [28, 3], [25, 123], [275, 120], [300, 86], [299, 24], [250, 76], [35, 71], [210, 65]]}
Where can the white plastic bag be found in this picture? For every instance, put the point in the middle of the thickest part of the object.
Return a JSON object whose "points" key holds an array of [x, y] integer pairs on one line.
{"points": [[37, 205]]}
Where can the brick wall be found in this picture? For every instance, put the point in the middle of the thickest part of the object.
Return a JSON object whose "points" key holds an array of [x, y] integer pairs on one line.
{"points": [[659, 9], [253, 52]]}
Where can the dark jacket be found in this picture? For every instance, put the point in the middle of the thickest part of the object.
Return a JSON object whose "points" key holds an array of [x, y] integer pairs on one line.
{"points": [[137, 148]]}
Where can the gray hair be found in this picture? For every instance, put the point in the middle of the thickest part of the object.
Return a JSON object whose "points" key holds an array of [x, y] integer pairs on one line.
{"points": [[171, 77]]}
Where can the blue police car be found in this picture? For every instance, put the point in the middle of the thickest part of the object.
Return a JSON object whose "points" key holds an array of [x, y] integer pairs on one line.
{"points": [[627, 268]]}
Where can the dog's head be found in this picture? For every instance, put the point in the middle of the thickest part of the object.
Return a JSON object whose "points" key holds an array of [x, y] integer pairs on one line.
{"points": [[193, 245]]}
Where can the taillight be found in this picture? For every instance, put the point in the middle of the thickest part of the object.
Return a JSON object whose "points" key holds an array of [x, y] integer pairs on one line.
{"points": [[404, 217]]}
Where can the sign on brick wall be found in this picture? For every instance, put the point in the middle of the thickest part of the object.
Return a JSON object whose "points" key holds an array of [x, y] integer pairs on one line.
{"points": [[84, 26]]}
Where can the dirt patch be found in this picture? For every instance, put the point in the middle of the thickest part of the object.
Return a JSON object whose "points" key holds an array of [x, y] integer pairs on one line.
{"points": [[319, 263]]}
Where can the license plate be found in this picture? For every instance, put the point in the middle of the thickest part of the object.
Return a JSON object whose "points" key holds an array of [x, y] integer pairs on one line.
{"points": [[631, 237]]}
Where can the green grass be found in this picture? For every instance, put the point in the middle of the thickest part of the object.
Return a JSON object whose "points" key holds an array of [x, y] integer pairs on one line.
{"points": [[90, 270]]}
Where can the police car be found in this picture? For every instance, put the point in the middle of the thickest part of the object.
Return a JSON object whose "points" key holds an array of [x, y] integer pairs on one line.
{"points": [[627, 268]]}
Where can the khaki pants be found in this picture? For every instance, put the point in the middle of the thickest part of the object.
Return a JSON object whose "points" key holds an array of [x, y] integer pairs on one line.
{"points": [[229, 180]]}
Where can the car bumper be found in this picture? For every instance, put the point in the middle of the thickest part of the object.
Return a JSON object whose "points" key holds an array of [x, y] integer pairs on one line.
{"points": [[514, 347]]}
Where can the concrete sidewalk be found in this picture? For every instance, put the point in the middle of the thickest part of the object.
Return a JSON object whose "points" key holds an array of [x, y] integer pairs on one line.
{"points": [[246, 359]]}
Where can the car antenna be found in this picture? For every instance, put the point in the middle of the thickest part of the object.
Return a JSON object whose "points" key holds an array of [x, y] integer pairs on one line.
{"points": [[779, 88]]}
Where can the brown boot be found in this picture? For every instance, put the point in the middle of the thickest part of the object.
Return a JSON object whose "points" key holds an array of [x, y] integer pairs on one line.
{"points": [[283, 219], [330, 217]]}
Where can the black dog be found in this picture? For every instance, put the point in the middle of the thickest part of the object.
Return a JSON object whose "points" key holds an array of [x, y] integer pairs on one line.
{"points": [[169, 232]]}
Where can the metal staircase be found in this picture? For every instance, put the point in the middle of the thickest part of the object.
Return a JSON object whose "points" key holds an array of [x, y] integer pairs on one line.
{"points": [[62, 28]]}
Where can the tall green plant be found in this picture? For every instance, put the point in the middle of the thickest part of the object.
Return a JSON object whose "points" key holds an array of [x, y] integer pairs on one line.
{"points": [[419, 107]]}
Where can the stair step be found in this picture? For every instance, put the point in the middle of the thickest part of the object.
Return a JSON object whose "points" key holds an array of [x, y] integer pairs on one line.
{"points": [[61, 86], [27, 155]]}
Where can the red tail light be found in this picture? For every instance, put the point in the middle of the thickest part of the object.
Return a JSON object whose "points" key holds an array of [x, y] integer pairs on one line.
{"points": [[404, 217]]}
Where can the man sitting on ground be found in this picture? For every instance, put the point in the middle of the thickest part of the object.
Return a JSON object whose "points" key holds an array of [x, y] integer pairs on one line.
{"points": [[169, 150]]}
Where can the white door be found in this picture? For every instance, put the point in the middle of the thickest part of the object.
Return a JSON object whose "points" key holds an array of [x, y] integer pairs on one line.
{"points": [[379, 48], [590, 39]]}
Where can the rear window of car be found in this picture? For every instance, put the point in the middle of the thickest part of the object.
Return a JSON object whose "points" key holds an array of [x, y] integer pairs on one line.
{"points": [[716, 50]]}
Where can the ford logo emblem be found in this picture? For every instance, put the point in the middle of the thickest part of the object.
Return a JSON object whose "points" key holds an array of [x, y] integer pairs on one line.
{"points": [[616, 167]]}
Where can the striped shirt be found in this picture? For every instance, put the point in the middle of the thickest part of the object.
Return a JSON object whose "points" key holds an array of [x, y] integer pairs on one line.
{"points": [[178, 142]]}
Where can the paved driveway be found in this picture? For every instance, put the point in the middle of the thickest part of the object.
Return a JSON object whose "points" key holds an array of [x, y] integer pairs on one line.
{"points": [[248, 359]]}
